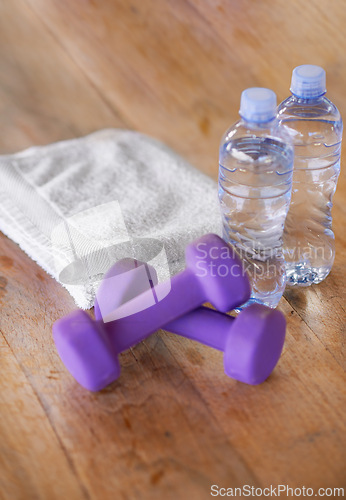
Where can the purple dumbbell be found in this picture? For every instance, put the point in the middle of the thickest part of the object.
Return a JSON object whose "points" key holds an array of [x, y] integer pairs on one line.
{"points": [[252, 343], [213, 274], [89, 349]]}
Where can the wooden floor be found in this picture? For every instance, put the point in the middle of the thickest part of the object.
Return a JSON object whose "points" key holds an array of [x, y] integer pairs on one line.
{"points": [[173, 424]]}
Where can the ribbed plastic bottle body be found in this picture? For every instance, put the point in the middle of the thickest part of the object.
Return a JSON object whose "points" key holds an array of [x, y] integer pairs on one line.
{"points": [[315, 127], [255, 180]]}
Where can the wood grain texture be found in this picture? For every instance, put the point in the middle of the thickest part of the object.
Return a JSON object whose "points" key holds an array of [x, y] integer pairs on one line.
{"points": [[184, 63], [173, 424], [28, 438], [43, 94]]}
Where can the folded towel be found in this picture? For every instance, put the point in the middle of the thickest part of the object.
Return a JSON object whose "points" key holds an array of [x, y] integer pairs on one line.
{"points": [[77, 206]]}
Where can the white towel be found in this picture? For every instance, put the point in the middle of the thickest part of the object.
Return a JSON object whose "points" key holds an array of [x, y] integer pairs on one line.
{"points": [[77, 206]]}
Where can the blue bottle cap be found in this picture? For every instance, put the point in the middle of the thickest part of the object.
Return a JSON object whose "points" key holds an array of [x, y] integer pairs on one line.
{"points": [[258, 104], [308, 81]]}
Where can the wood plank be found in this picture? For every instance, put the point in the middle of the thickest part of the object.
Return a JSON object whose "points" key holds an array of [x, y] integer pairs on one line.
{"points": [[184, 63], [322, 306], [32, 459], [153, 59], [44, 97], [291, 426], [272, 37]]}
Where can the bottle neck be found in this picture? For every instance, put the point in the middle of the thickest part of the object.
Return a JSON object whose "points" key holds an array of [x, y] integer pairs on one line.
{"points": [[252, 125], [308, 101]]}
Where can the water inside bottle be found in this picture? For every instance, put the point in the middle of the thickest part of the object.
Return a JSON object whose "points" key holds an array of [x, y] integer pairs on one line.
{"points": [[309, 248], [254, 190]]}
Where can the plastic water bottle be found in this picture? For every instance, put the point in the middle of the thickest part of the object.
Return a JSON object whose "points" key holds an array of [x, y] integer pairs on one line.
{"points": [[255, 181], [315, 126]]}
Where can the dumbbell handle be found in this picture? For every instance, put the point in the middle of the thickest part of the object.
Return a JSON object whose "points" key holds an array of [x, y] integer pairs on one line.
{"points": [[201, 281], [185, 294], [252, 342], [206, 325]]}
